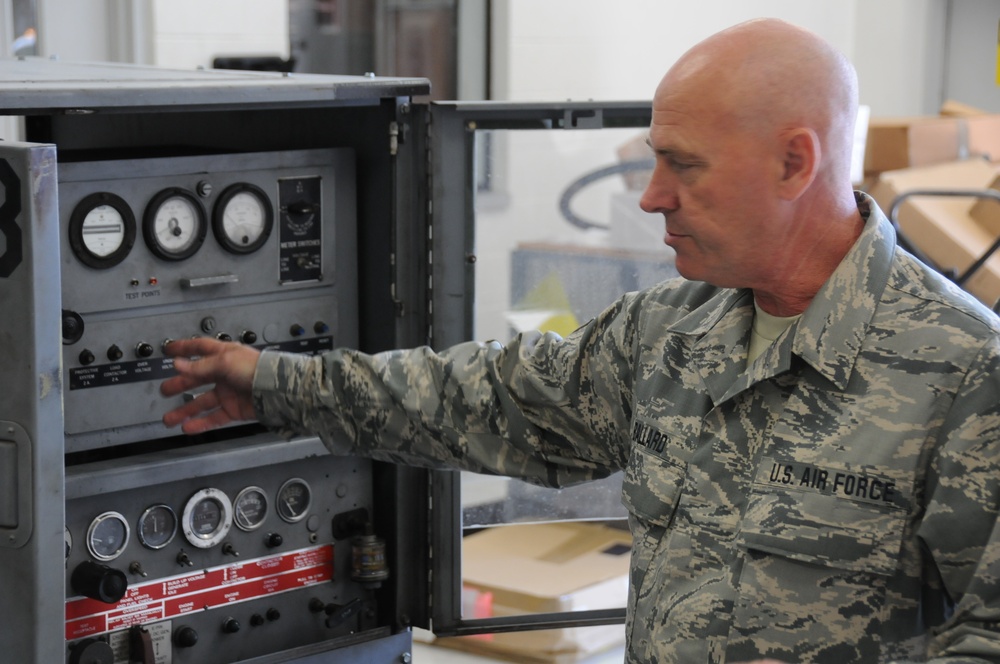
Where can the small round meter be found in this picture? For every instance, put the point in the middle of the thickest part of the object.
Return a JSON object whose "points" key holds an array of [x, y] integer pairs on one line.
{"points": [[101, 230], [294, 499], [250, 508], [243, 218], [157, 526], [107, 536], [208, 516], [174, 224]]}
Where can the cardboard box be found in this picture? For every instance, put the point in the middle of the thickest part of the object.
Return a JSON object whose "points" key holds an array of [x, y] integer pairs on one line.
{"points": [[956, 109], [898, 143], [942, 226], [544, 568], [986, 210]]}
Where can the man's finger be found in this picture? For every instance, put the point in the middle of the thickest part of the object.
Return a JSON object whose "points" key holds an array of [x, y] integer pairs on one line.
{"points": [[212, 420], [200, 404]]}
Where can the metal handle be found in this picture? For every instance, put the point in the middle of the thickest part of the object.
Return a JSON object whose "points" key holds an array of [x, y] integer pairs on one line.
{"points": [[201, 282], [974, 193]]}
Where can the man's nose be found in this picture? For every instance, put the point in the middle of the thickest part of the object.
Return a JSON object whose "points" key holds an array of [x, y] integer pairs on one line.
{"points": [[661, 192]]}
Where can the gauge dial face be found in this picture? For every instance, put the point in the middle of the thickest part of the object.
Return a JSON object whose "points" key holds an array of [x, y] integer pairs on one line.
{"points": [[157, 526], [174, 224], [101, 230], [243, 218], [250, 508], [294, 499], [107, 536], [208, 516]]}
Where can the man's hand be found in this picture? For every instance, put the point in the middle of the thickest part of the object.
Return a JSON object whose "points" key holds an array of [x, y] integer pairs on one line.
{"points": [[229, 366]]}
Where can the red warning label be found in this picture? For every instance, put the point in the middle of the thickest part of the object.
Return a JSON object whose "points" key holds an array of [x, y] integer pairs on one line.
{"points": [[197, 591]]}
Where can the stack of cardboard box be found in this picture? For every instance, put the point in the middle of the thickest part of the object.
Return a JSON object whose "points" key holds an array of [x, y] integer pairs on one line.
{"points": [[956, 150]]}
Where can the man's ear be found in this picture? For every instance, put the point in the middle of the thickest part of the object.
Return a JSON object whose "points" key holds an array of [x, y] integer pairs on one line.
{"points": [[801, 154]]}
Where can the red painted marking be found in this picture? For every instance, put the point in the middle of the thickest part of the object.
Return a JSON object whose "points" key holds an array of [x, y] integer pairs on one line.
{"points": [[204, 589]]}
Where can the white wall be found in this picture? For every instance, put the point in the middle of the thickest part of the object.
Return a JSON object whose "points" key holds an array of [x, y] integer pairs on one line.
{"points": [[184, 34], [190, 33], [594, 49]]}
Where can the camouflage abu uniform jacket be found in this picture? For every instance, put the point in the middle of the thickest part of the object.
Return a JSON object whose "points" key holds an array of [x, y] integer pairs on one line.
{"points": [[834, 502]]}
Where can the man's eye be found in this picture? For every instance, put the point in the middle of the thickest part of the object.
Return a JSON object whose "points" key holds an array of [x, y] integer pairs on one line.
{"points": [[680, 165]]}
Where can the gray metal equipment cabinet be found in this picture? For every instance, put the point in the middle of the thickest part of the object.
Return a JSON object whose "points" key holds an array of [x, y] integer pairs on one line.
{"points": [[298, 212]]}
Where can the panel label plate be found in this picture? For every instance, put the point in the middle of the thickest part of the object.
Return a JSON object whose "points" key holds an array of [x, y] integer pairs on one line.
{"points": [[197, 591]]}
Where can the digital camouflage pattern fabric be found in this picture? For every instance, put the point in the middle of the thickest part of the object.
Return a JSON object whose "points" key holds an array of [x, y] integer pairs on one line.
{"points": [[834, 502]]}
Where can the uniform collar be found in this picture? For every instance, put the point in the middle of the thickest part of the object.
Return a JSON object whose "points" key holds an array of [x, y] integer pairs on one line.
{"points": [[829, 334], [832, 329]]}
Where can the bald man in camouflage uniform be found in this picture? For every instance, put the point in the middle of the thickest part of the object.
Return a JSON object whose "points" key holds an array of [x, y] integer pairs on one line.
{"points": [[808, 423]]}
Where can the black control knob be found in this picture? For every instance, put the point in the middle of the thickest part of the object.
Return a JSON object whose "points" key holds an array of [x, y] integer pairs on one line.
{"points": [[222, 336], [296, 330], [115, 353], [273, 614], [100, 582], [248, 337], [256, 620], [87, 357], [185, 637], [273, 540], [72, 327], [92, 651], [142, 349], [230, 625], [320, 327]]}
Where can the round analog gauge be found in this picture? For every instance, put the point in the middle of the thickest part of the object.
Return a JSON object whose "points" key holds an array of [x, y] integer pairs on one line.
{"points": [[243, 218], [207, 518], [174, 224], [294, 499], [68, 541], [101, 230], [157, 526], [107, 536], [250, 508]]}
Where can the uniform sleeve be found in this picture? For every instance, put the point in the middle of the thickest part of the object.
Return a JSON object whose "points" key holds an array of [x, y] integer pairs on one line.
{"points": [[960, 528], [549, 410]]}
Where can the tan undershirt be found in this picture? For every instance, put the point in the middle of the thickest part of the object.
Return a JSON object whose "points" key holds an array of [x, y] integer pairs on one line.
{"points": [[765, 329]]}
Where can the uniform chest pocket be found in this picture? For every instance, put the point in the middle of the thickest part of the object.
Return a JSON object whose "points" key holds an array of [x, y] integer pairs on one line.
{"points": [[652, 487], [825, 528]]}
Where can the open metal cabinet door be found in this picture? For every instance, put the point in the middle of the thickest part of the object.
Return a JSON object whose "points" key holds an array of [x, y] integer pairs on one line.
{"points": [[534, 225], [31, 421]]}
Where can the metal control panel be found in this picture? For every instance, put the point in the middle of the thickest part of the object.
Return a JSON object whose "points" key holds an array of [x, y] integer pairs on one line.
{"points": [[294, 212], [219, 568], [167, 561], [257, 248], [146, 205]]}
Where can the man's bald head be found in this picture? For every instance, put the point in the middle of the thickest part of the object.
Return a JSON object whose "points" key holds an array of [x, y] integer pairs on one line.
{"points": [[753, 130], [767, 75]]}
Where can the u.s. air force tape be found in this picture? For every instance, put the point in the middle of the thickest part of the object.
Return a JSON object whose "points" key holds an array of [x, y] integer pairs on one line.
{"points": [[859, 485]]}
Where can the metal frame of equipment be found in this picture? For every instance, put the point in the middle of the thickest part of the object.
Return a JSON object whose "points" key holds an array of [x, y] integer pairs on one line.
{"points": [[121, 541]]}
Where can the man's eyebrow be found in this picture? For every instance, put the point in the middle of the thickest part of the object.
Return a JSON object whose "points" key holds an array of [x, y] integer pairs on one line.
{"points": [[670, 152]]}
